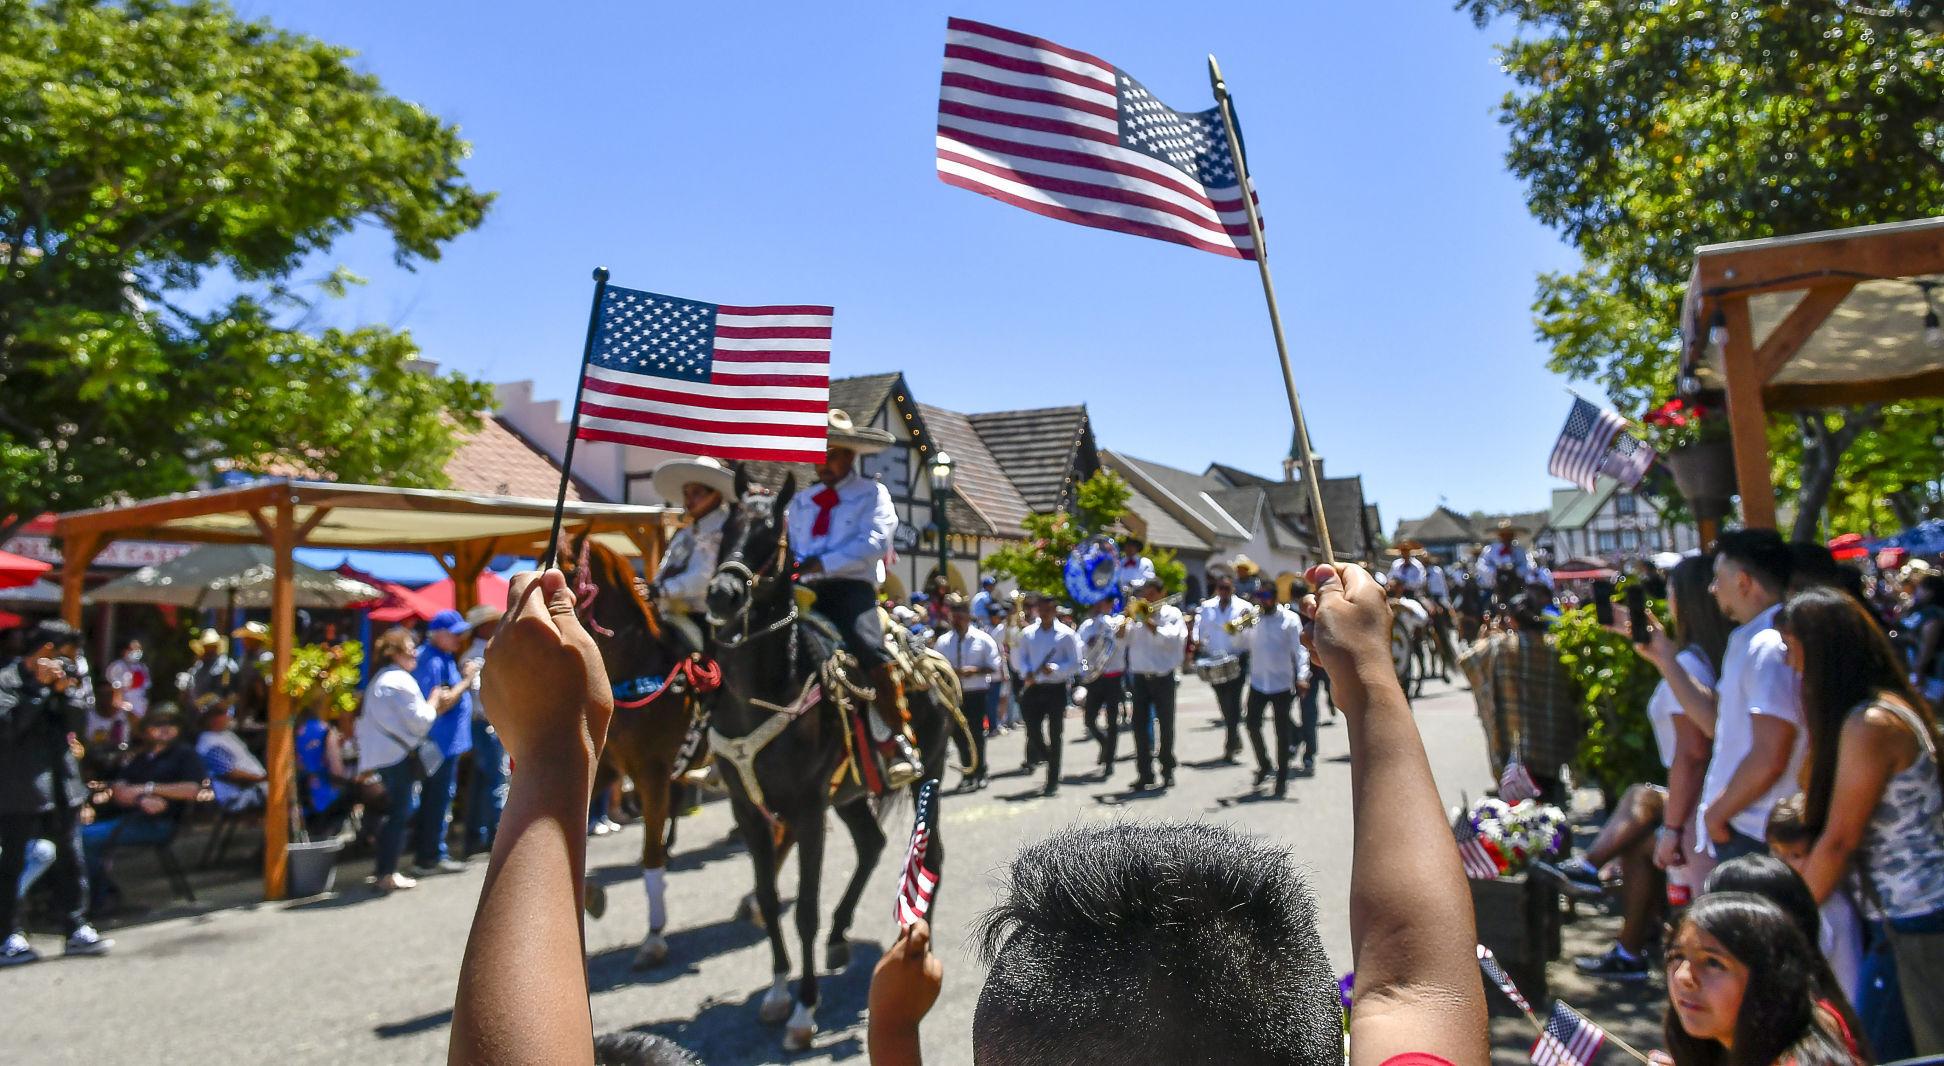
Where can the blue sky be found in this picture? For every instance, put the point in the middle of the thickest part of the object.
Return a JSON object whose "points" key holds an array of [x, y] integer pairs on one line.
{"points": [[764, 153]]}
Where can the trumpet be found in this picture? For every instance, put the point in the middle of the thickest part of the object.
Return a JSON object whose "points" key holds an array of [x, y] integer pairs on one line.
{"points": [[1138, 612], [1237, 625]]}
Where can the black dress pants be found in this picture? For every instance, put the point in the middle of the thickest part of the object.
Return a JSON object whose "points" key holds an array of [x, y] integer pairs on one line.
{"points": [[1154, 720], [1285, 731], [974, 709], [68, 875], [1306, 735], [1228, 696], [1105, 692], [1044, 708]]}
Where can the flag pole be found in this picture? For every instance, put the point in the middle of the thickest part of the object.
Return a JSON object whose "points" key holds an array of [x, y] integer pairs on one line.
{"points": [[573, 426], [1275, 317]]}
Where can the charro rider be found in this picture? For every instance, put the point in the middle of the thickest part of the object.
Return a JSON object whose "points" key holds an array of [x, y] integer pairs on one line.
{"points": [[840, 535], [682, 579]]}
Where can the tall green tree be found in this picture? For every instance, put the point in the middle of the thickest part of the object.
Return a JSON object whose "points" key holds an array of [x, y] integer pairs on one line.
{"points": [[1645, 130], [1038, 563], [152, 153]]}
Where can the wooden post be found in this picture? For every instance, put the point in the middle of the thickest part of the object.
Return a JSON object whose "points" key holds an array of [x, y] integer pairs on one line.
{"points": [[1747, 417], [77, 551], [280, 743], [468, 563]]}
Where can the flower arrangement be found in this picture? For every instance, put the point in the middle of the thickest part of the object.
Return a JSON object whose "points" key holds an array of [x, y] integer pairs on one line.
{"points": [[1518, 833], [1681, 422]]}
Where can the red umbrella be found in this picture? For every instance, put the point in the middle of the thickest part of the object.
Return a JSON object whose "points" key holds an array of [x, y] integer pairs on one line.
{"points": [[492, 588], [1848, 546], [400, 604], [18, 570], [9, 620]]}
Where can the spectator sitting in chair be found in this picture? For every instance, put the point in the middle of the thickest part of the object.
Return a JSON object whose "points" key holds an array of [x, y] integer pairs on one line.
{"points": [[147, 796], [234, 773]]}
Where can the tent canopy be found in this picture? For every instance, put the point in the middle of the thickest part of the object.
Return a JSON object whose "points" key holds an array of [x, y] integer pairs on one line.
{"points": [[230, 575], [1812, 320]]}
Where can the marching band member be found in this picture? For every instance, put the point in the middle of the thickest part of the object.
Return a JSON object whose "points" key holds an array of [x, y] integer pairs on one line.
{"points": [[1278, 673], [1103, 655], [975, 658], [1214, 641], [1133, 565], [682, 578], [1154, 646], [1046, 658], [840, 535]]}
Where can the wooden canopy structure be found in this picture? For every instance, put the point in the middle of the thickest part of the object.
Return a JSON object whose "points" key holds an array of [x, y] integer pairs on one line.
{"points": [[463, 531], [1815, 320]]}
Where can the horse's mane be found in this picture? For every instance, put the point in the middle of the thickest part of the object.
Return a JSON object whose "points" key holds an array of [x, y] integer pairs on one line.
{"points": [[609, 570]]}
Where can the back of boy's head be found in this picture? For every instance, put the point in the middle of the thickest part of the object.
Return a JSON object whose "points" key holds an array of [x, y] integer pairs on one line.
{"points": [[632, 1048], [1788, 823], [1774, 880], [1133, 942]]}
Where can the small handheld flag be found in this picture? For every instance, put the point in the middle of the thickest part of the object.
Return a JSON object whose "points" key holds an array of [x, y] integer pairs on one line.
{"points": [[916, 884], [1480, 859], [1516, 783], [1593, 442], [1490, 964], [1568, 1040]]}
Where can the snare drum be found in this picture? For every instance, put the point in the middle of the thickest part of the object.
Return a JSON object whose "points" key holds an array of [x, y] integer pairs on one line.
{"points": [[1220, 670]]}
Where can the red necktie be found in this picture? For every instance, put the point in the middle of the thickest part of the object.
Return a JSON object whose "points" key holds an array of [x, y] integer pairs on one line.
{"points": [[826, 500]]}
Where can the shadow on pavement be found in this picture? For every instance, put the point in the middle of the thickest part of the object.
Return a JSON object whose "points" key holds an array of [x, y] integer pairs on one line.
{"points": [[411, 1026], [727, 1031], [687, 948], [689, 859]]}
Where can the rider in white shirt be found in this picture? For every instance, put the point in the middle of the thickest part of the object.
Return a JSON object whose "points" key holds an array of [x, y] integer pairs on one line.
{"points": [[1133, 565], [682, 577]]}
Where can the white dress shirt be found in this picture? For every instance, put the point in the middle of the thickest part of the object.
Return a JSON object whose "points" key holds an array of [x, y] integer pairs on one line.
{"points": [[974, 649], [1435, 585], [1127, 572], [1039, 647], [1503, 555], [688, 564], [1755, 680], [1210, 631], [1102, 651], [1277, 659], [1410, 572], [1157, 650], [860, 530]]}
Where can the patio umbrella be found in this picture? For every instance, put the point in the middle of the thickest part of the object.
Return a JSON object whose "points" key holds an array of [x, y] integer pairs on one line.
{"points": [[226, 575], [492, 588], [18, 570]]}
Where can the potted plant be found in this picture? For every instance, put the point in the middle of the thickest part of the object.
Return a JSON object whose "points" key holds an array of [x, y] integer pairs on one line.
{"points": [[1517, 915], [323, 683], [1692, 439]]}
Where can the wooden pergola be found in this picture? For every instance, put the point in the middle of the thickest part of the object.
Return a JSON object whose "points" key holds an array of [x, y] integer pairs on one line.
{"points": [[463, 531], [1815, 320]]}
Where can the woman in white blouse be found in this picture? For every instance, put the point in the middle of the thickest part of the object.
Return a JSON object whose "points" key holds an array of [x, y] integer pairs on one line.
{"points": [[392, 726]]}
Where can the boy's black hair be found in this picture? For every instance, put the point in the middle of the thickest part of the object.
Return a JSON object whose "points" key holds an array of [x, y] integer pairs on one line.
{"points": [[1762, 552]]}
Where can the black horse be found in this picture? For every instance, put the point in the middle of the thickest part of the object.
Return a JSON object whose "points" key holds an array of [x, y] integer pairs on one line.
{"points": [[792, 750]]}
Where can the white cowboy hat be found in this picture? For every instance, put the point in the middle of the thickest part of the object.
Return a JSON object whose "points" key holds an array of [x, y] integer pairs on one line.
{"points": [[670, 476], [207, 639], [863, 440]]}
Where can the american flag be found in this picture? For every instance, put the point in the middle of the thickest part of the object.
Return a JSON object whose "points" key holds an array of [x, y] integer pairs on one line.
{"points": [[1480, 858], [916, 884], [1490, 964], [1067, 135], [709, 379], [1569, 1039], [1516, 783], [1627, 461], [1583, 444]]}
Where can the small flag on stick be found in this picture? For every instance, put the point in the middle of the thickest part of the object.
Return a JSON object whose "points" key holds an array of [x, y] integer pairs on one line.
{"points": [[1516, 783], [1595, 442], [1569, 1039], [916, 884], [1490, 964], [1070, 136], [1480, 859]]}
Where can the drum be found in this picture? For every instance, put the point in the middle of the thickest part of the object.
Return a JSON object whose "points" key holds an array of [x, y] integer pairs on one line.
{"points": [[1219, 671]]}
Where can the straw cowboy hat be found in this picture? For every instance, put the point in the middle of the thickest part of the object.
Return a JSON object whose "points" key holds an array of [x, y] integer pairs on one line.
{"points": [[483, 614], [252, 631], [670, 476], [1405, 547], [209, 638], [1245, 568], [1505, 525], [863, 440]]}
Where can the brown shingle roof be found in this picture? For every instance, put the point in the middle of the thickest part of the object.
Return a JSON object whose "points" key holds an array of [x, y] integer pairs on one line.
{"points": [[1343, 507], [983, 497], [497, 461], [1041, 451], [861, 397], [1159, 528]]}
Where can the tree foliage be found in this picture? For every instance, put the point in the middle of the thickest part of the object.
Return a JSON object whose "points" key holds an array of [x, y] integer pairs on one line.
{"points": [[1613, 684], [152, 153], [1644, 131], [1037, 564]]}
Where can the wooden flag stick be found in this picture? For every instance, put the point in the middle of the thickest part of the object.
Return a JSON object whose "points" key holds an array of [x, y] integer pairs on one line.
{"points": [[1275, 316], [573, 426]]}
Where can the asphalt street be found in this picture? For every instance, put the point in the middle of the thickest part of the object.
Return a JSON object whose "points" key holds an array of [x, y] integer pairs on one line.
{"points": [[358, 978]]}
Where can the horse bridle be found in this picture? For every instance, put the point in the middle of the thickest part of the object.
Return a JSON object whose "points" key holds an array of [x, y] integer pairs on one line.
{"points": [[735, 565]]}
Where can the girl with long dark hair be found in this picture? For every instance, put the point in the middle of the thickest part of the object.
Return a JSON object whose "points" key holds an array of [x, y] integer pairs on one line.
{"points": [[1741, 990], [1873, 795]]}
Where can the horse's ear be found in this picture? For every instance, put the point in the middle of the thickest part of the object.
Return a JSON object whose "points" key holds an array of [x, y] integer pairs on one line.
{"points": [[783, 495], [742, 482]]}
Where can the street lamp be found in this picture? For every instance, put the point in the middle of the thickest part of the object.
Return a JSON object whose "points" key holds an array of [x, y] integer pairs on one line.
{"points": [[941, 488]]}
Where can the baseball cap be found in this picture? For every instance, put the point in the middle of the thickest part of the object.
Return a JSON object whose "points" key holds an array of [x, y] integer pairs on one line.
{"points": [[448, 622]]}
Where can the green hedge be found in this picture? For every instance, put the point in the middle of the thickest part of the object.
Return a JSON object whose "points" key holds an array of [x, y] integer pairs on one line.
{"points": [[1613, 685]]}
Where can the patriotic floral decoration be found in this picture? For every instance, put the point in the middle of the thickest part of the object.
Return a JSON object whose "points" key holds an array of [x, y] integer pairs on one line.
{"points": [[1680, 422], [1518, 833]]}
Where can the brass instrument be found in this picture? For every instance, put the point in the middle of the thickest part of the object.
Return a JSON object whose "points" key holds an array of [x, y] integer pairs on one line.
{"points": [[1237, 625], [1138, 612]]}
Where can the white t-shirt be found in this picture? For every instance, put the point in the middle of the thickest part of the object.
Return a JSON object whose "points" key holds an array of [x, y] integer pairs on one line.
{"points": [[221, 753], [1755, 680], [1662, 706], [133, 680], [396, 716], [1841, 941]]}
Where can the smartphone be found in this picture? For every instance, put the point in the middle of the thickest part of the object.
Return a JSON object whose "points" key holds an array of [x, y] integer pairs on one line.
{"points": [[1603, 601], [1637, 613]]}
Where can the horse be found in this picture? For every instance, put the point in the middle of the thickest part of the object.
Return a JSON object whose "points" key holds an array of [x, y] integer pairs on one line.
{"points": [[780, 732], [656, 692]]}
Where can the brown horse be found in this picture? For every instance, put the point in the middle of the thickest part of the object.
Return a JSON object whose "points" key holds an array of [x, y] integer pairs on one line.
{"points": [[655, 694]]}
